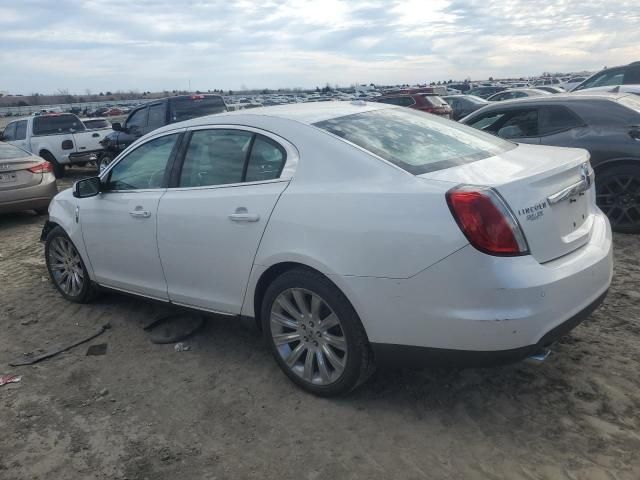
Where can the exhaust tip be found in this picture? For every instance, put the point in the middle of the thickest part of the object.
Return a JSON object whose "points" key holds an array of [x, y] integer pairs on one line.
{"points": [[540, 356]]}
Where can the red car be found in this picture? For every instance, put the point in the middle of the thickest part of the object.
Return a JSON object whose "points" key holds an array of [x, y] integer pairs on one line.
{"points": [[419, 99], [112, 112]]}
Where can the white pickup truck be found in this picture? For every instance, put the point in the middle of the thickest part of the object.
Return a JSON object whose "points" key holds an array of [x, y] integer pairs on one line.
{"points": [[61, 139]]}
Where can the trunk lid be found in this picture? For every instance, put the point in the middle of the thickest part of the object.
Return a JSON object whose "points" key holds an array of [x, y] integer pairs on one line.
{"points": [[14, 165], [549, 190]]}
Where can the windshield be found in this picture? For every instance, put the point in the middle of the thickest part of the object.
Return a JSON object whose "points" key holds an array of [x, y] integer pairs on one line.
{"points": [[195, 106], [8, 152], [56, 124], [415, 141]]}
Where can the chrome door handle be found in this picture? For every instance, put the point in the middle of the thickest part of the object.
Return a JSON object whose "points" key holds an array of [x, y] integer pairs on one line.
{"points": [[140, 213], [244, 217]]}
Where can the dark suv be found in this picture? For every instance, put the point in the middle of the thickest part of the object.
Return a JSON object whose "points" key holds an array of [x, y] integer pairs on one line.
{"points": [[625, 75], [156, 114], [419, 100], [606, 125]]}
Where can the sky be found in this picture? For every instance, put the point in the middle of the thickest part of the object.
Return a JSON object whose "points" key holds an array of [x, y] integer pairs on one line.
{"points": [[109, 45]]}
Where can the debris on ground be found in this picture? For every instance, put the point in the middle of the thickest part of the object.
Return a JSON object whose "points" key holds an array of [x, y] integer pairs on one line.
{"points": [[182, 347], [30, 359], [98, 349], [4, 379], [175, 327]]}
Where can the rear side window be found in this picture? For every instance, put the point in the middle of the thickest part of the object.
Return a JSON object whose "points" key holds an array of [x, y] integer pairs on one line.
{"points": [[512, 123], [99, 123], [632, 75], [215, 157], [185, 108], [416, 142], [57, 124], [266, 160], [156, 116], [555, 119]]}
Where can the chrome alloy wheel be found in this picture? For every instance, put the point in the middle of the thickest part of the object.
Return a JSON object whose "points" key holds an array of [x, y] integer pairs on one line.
{"points": [[66, 266], [308, 336]]}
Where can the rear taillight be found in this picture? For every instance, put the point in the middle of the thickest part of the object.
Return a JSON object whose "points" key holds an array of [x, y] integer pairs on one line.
{"points": [[487, 221], [44, 167]]}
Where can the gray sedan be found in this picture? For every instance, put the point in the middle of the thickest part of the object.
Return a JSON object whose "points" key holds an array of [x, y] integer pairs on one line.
{"points": [[27, 181]]}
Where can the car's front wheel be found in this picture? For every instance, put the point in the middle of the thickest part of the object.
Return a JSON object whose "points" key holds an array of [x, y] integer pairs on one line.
{"points": [[104, 161], [315, 334], [66, 268]]}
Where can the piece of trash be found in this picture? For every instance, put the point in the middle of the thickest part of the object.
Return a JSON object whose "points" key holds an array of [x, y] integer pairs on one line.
{"points": [[4, 379], [103, 392], [181, 347], [30, 359], [99, 349]]}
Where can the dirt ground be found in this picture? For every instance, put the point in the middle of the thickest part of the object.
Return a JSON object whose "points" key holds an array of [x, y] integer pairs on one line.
{"points": [[224, 410]]}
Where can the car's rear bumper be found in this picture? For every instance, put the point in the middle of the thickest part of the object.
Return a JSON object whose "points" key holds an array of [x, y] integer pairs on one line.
{"points": [[387, 354], [474, 302], [36, 197]]}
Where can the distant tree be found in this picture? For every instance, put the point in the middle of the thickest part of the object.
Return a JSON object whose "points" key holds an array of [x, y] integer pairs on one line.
{"points": [[101, 94], [491, 79], [230, 92], [108, 94], [317, 89]]}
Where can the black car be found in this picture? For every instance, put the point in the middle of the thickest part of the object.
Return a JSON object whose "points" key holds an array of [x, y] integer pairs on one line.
{"points": [[606, 125], [156, 114], [624, 75], [484, 92], [463, 105]]}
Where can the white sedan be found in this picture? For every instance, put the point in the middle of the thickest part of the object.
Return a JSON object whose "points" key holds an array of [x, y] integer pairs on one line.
{"points": [[353, 233]]}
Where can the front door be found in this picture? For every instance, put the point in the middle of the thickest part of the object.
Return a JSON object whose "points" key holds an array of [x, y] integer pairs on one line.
{"points": [[119, 224], [211, 223]]}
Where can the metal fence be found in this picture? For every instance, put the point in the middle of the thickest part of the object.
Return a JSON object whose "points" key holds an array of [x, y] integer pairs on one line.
{"points": [[63, 107]]}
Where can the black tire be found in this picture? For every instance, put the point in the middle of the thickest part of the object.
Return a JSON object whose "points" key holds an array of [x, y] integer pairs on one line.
{"points": [[359, 363], [618, 195], [58, 169], [88, 290]]}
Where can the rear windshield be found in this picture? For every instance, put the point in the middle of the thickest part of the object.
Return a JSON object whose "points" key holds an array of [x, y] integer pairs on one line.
{"points": [[99, 123], [8, 152], [186, 108], [56, 124], [415, 141]]}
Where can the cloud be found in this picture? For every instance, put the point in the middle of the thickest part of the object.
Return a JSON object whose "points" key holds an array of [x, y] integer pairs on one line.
{"points": [[163, 44]]}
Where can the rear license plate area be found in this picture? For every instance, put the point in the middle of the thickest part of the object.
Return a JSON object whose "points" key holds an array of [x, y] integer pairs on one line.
{"points": [[8, 177]]}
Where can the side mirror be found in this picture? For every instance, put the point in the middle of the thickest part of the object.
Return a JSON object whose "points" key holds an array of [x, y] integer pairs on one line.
{"points": [[87, 187], [117, 126]]}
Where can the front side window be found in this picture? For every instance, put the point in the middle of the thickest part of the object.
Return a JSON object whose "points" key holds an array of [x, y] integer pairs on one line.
{"points": [[416, 142], [144, 167], [9, 133], [632, 75], [57, 124], [508, 123], [138, 119]]}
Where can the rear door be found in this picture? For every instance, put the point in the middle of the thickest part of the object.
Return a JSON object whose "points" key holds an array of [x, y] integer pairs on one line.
{"points": [[211, 222]]}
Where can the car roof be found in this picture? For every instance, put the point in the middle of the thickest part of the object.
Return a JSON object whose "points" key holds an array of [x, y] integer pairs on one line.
{"points": [[307, 113]]}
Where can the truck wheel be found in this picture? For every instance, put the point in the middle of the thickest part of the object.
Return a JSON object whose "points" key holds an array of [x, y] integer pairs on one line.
{"points": [[104, 161], [58, 169]]}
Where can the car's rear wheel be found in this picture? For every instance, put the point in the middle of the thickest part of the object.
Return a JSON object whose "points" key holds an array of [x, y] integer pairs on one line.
{"points": [[618, 196], [315, 334], [66, 268]]}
